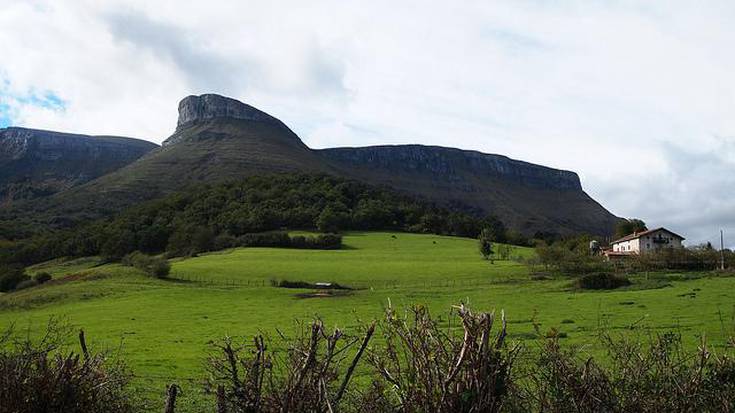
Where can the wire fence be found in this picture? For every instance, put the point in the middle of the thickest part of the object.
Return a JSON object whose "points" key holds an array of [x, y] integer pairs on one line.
{"points": [[356, 285]]}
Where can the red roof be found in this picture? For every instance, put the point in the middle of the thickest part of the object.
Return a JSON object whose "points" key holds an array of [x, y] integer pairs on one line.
{"points": [[642, 233]]}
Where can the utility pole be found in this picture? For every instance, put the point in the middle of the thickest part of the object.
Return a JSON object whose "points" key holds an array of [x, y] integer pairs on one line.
{"points": [[722, 251]]}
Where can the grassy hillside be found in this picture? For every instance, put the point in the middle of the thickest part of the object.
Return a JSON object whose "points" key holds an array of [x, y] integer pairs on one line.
{"points": [[165, 325]]}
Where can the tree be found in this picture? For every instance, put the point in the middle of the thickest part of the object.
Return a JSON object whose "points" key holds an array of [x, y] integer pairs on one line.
{"points": [[496, 227], [629, 226], [485, 243], [504, 251], [328, 221], [118, 245], [11, 276], [202, 240]]}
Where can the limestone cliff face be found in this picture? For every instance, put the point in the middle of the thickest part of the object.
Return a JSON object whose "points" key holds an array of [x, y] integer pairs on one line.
{"points": [[450, 164], [528, 198], [204, 107], [36, 162], [221, 139]]}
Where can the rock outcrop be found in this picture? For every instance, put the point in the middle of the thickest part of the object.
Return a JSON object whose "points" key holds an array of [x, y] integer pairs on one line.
{"points": [[205, 107], [450, 164], [37, 162]]}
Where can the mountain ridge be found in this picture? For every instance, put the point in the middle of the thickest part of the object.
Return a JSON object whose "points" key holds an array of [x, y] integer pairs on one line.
{"points": [[219, 138], [37, 162]]}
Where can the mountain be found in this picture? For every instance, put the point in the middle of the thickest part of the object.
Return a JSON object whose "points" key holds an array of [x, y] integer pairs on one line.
{"points": [[526, 197], [220, 139], [35, 163]]}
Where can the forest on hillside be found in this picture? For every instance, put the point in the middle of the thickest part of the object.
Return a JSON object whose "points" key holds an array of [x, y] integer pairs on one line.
{"points": [[210, 217]]}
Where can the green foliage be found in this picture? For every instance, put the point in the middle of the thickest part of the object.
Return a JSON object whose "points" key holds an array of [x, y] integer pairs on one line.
{"points": [[570, 256], [153, 266], [25, 284], [504, 251], [42, 277], [687, 259], [485, 243], [329, 221], [601, 281], [629, 226], [206, 218], [11, 276]]}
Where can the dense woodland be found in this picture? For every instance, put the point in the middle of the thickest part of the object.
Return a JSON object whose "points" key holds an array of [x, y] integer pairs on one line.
{"points": [[213, 217]]}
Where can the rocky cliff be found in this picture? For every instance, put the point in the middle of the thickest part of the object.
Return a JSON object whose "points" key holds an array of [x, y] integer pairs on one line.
{"points": [[450, 164], [222, 139], [205, 107], [36, 162]]}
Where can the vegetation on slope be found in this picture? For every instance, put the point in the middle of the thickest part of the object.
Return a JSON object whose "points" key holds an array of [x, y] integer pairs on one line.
{"points": [[210, 217]]}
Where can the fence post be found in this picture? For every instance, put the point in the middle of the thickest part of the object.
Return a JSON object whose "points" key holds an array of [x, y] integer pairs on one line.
{"points": [[83, 344], [171, 398]]}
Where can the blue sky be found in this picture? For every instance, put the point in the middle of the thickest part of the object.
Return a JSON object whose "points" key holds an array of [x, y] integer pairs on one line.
{"points": [[637, 97]]}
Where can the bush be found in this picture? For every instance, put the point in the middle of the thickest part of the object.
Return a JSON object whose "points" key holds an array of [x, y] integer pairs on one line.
{"points": [[42, 277], [601, 281], [305, 376], [443, 369], [224, 241], [25, 284], [11, 276], [154, 266], [41, 376], [283, 240], [641, 374]]}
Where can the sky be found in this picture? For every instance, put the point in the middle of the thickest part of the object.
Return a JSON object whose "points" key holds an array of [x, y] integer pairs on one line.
{"points": [[638, 98]]}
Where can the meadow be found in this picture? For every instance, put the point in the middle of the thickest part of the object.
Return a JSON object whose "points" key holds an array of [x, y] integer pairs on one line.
{"points": [[163, 326]]}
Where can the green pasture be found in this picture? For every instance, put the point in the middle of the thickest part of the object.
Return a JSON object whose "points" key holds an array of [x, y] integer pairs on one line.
{"points": [[164, 325]]}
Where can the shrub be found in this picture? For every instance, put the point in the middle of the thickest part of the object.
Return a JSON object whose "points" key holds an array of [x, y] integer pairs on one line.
{"points": [[224, 241], [283, 240], [303, 377], [11, 276], [154, 266], [25, 284], [42, 277], [433, 369], [642, 375], [41, 376], [601, 281]]}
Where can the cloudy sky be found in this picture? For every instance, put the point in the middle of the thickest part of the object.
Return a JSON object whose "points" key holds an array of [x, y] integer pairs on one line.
{"points": [[637, 97]]}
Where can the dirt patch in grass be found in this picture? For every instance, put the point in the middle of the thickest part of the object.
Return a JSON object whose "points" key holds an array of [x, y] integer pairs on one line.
{"points": [[308, 285]]}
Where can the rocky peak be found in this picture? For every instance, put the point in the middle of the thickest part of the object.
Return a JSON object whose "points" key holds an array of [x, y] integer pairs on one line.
{"points": [[193, 109]]}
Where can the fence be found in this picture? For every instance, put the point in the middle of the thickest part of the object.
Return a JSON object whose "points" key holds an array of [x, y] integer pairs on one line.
{"points": [[357, 285]]}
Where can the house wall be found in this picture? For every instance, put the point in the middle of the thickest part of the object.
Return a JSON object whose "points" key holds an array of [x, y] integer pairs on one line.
{"points": [[650, 242], [632, 245]]}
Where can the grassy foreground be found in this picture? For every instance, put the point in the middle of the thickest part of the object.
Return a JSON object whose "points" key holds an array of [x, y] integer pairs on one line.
{"points": [[164, 326]]}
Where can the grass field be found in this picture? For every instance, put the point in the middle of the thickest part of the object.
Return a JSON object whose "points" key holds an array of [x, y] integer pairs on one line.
{"points": [[165, 325]]}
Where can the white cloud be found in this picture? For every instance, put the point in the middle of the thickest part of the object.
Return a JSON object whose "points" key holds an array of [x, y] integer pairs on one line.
{"points": [[635, 96]]}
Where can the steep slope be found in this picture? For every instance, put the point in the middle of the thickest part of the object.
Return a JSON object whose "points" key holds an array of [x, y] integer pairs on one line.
{"points": [[36, 163], [527, 197], [220, 139], [217, 139]]}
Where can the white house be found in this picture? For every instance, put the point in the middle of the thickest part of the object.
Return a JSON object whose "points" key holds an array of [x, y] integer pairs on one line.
{"points": [[647, 241]]}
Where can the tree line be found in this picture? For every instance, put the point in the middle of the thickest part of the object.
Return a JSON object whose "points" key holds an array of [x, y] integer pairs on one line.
{"points": [[210, 217]]}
